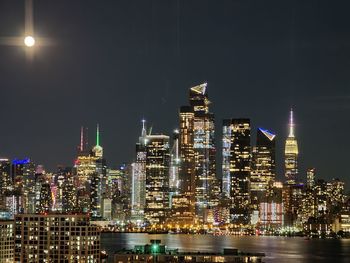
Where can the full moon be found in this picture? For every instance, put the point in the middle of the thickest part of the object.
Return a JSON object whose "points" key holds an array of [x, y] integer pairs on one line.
{"points": [[29, 41]]}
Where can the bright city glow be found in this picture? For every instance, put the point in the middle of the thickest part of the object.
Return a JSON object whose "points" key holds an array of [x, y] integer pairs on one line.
{"points": [[29, 41]]}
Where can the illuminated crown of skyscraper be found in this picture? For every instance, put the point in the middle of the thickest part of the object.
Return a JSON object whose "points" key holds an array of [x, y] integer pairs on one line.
{"points": [[98, 150], [291, 146]]}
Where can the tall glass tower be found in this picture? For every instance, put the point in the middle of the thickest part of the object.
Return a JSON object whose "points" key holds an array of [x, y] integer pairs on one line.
{"points": [[291, 153], [197, 175], [204, 150], [138, 192]]}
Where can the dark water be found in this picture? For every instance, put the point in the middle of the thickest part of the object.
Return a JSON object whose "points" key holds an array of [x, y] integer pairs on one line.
{"points": [[277, 249]]}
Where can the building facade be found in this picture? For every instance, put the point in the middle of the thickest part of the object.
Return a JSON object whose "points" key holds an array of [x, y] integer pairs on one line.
{"points": [[7, 242], [56, 238]]}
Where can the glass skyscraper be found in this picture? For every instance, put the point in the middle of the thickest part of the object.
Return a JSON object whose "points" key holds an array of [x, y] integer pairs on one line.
{"points": [[138, 184], [198, 153]]}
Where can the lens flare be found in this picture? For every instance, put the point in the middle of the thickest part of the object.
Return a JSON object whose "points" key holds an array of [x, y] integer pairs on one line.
{"points": [[29, 41]]}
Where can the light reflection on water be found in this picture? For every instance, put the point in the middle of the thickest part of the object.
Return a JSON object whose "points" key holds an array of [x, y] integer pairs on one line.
{"points": [[277, 249]]}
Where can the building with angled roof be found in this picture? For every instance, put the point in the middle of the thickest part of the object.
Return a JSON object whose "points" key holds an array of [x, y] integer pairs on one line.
{"points": [[263, 171], [206, 184]]}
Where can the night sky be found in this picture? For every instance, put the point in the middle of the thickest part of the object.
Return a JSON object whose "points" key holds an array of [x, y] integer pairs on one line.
{"points": [[115, 62]]}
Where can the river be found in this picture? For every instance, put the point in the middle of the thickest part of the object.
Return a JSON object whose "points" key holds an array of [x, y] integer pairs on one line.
{"points": [[277, 249]]}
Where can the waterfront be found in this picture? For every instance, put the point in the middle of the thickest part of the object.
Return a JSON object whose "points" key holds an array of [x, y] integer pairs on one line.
{"points": [[277, 249]]}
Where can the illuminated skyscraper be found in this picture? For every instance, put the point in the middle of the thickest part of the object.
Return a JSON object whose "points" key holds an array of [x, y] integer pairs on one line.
{"points": [[292, 195], [197, 175], [236, 167], [6, 185], [98, 179], [291, 154], [98, 150], [309, 201], [23, 175], [45, 203], [263, 171], [157, 178], [174, 164], [207, 189], [120, 184], [138, 182], [58, 181], [90, 168], [69, 194], [310, 177], [187, 175]]}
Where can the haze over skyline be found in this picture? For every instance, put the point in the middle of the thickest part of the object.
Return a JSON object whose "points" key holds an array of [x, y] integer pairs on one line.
{"points": [[116, 62]]}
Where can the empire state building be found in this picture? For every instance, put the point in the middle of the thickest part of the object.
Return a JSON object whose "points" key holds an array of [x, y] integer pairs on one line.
{"points": [[291, 153]]}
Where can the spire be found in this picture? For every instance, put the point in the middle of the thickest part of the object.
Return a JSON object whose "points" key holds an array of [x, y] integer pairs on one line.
{"points": [[143, 132], [82, 138], [98, 150], [291, 124], [86, 138], [98, 135]]}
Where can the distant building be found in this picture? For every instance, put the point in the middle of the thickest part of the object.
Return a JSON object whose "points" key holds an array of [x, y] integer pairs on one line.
{"points": [[271, 208], [45, 200], [292, 195], [106, 208], [310, 178], [187, 175], [157, 178], [56, 238], [341, 224], [263, 171], [207, 187], [271, 214], [138, 181], [7, 242], [6, 185], [23, 176], [155, 252], [180, 212], [91, 176], [237, 168], [174, 182], [291, 153], [119, 191], [69, 194]]}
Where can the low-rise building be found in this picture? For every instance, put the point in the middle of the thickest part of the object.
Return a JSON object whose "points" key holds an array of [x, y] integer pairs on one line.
{"points": [[341, 223], [155, 252]]}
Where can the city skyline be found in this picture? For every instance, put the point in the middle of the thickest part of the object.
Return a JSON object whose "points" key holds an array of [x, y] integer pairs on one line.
{"points": [[178, 177], [294, 64], [174, 131]]}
